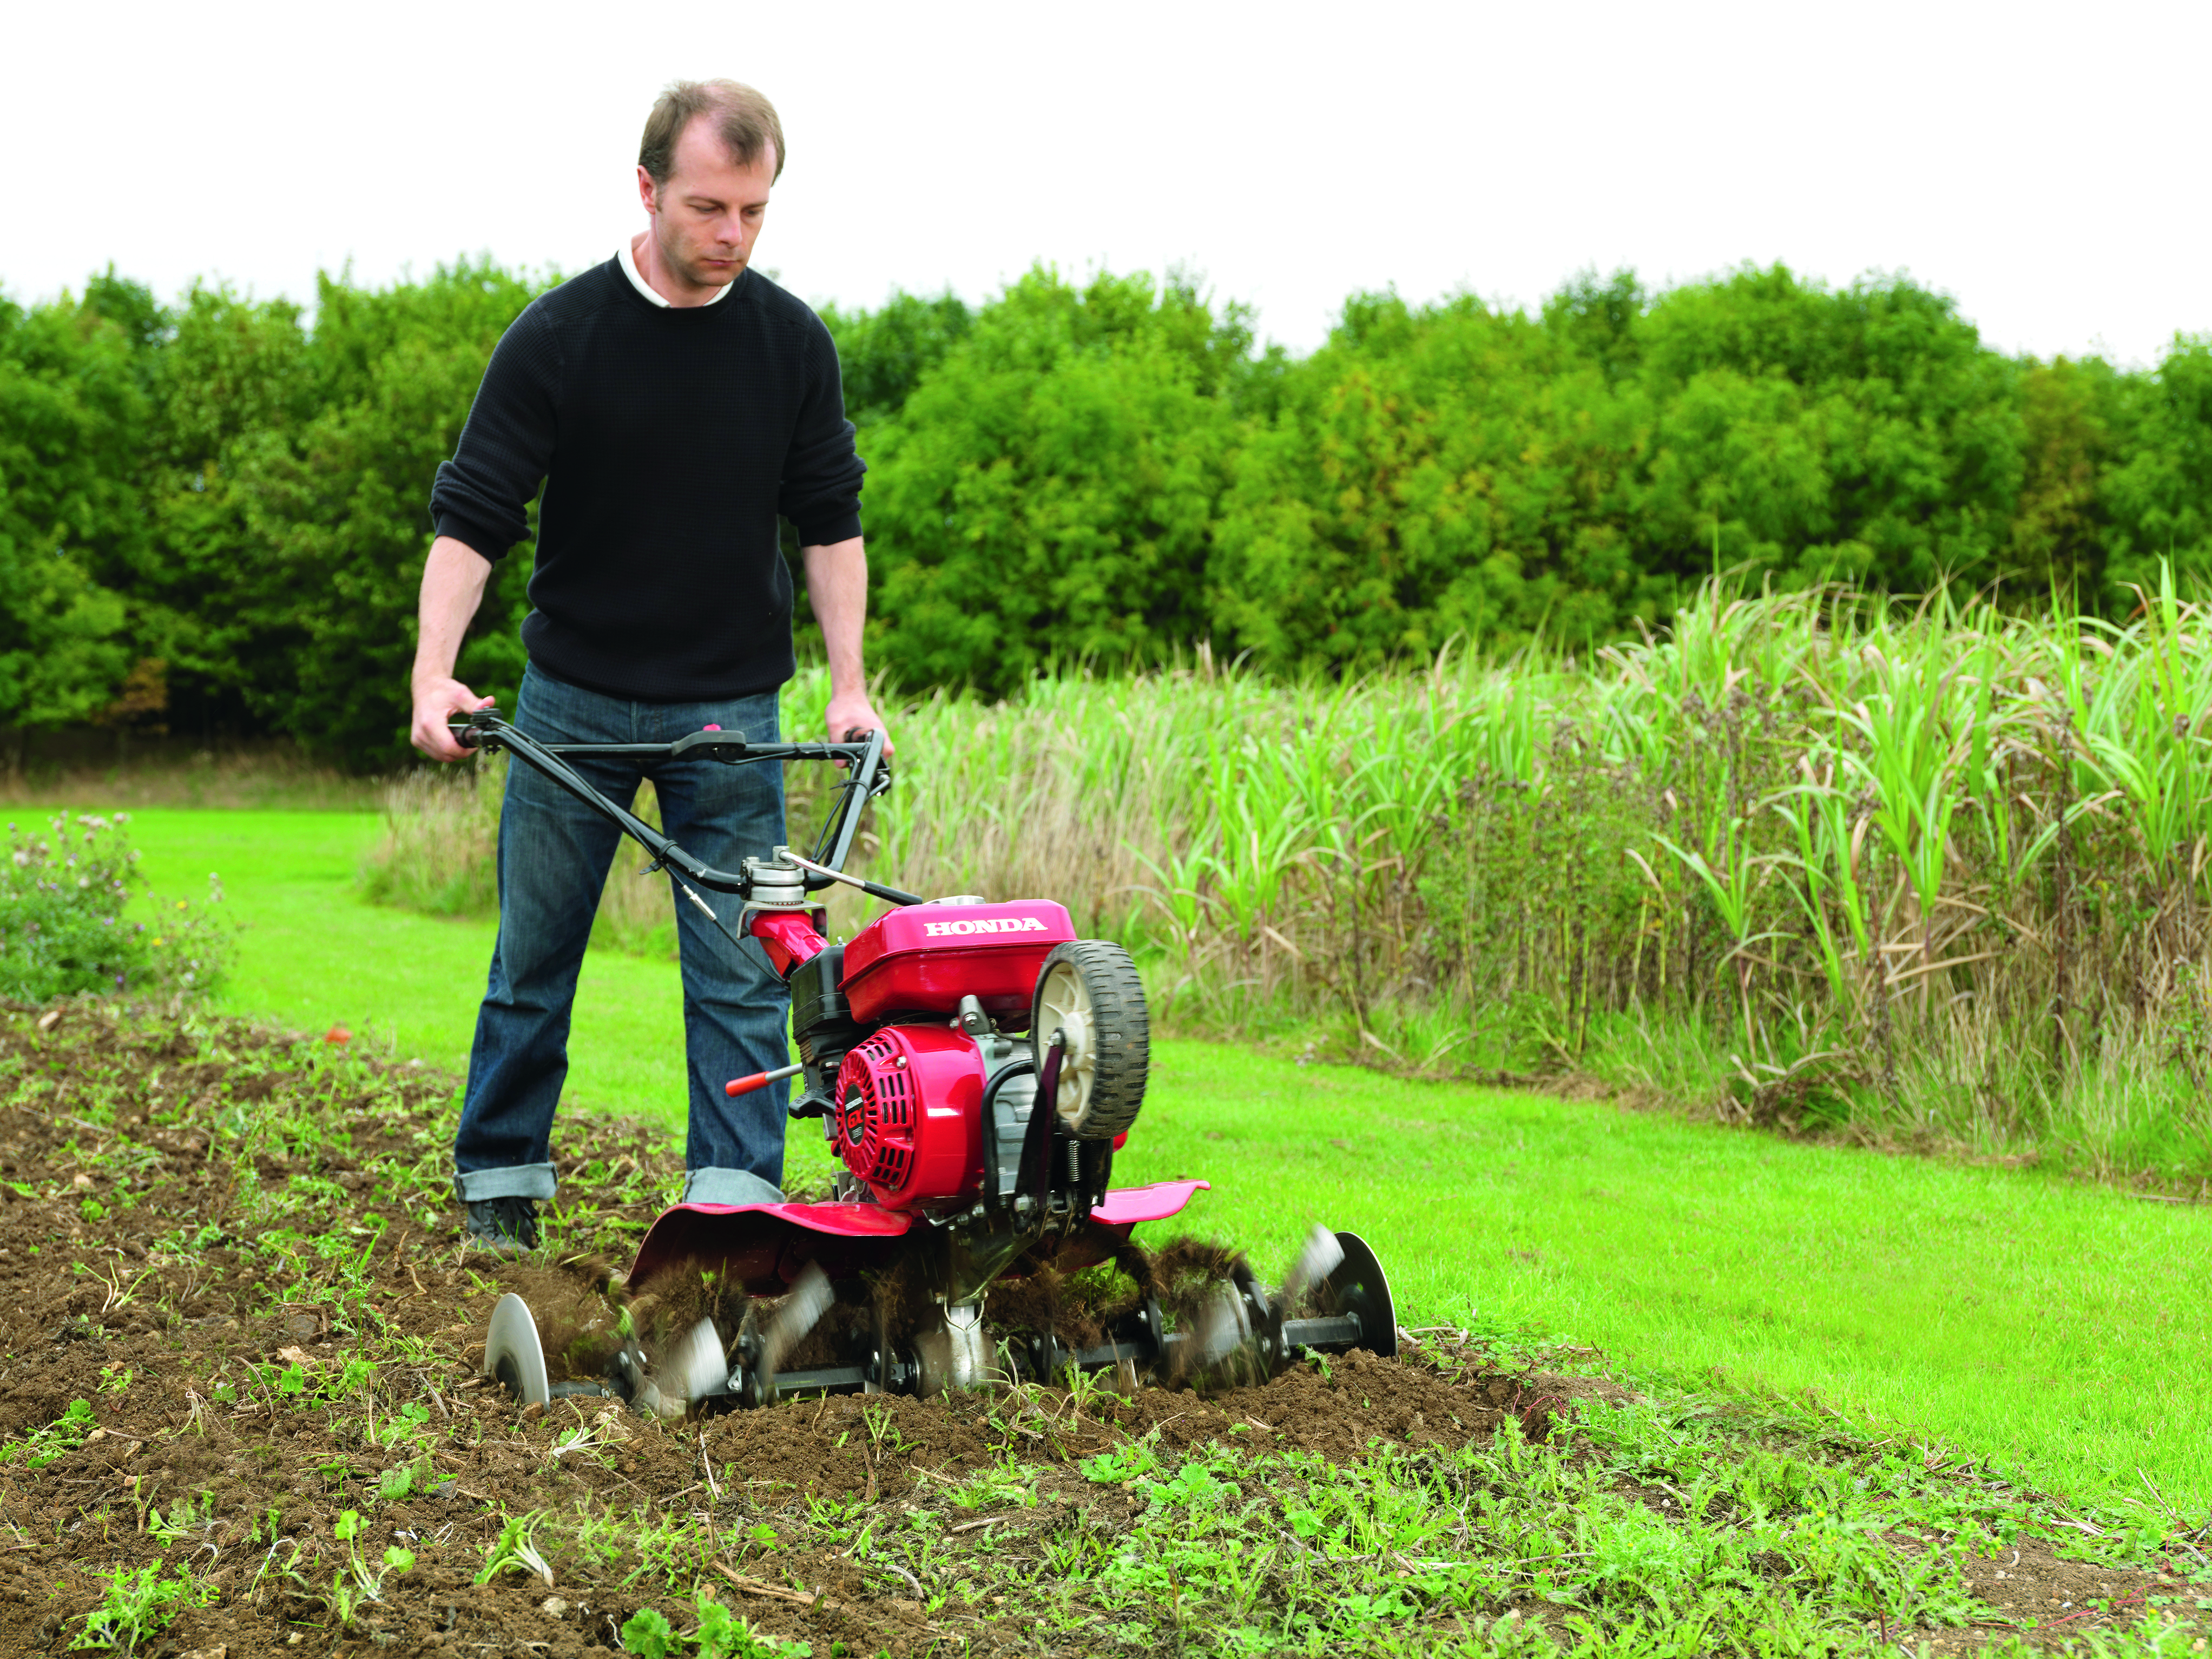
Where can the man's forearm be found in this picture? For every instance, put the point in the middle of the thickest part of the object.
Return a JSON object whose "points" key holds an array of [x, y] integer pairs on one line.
{"points": [[837, 588], [454, 581]]}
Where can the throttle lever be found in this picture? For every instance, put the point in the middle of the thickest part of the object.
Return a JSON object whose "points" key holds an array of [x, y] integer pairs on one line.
{"points": [[745, 1085]]}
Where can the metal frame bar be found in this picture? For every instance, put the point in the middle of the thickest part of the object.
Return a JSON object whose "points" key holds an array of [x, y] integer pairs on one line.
{"points": [[487, 731]]}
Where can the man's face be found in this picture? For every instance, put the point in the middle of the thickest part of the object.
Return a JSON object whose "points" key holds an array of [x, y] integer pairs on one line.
{"points": [[707, 216]]}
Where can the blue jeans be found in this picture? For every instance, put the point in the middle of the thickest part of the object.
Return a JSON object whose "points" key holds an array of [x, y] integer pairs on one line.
{"points": [[554, 855]]}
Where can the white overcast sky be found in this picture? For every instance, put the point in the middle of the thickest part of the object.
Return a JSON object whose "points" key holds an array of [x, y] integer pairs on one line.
{"points": [[2045, 164]]}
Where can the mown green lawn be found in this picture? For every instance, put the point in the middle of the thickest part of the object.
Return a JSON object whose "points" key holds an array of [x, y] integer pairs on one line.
{"points": [[2057, 1328], [312, 955]]}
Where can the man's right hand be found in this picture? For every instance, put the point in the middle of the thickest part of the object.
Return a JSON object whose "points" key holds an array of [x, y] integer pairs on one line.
{"points": [[436, 701]]}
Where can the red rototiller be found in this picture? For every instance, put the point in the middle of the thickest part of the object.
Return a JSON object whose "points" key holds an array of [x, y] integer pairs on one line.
{"points": [[974, 1067]]}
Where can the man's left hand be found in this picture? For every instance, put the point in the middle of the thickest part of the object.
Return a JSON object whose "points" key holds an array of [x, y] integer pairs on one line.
{"points": [[850, 711]]}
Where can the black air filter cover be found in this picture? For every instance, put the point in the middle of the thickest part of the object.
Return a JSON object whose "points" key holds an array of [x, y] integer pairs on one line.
{"points": [[815, 1001]]}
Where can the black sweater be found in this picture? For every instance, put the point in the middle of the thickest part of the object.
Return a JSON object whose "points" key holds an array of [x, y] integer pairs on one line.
{"points": [[668, 442]]}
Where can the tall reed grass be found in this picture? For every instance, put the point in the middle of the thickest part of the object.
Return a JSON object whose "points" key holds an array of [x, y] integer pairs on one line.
{"points": [[1934, 875]]}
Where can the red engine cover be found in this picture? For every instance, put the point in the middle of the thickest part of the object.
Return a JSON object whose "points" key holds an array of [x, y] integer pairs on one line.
{"points": [[923, 959], [909, 1118]]}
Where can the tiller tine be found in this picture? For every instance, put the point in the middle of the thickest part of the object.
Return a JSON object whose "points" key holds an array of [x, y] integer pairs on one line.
{"points": [[761, 1354], [1357, 1308], [1315, 1262], [692, 1370], [1245, 1327], [1243, 1330], [512, 1354], [1223, 1327]]}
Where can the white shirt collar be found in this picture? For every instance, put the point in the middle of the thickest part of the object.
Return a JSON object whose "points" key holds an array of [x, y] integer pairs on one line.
{"points": [[630, 270]]}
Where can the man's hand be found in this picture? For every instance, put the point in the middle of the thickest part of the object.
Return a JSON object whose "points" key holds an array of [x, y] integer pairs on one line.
{"points": [[850, 711], [434, 701]]}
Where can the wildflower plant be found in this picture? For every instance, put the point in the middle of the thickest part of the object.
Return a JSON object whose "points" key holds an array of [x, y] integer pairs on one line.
{"points": [[66, 929]]}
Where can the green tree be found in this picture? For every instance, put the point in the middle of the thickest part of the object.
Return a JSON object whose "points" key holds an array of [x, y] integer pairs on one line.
{"points": [[229, 370], [882, 355], [337, 520], [1046, 492], [2062, 527], [2159, 493], [73, 419], [1432, 474], [1865, 434]]}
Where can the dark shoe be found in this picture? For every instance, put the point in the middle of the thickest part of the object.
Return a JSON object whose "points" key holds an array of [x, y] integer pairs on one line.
{"points": [[504, 1226]]}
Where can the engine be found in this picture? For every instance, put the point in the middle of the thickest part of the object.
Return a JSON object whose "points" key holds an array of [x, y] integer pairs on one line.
{"points": [[909, 1115], [902, 1034]]}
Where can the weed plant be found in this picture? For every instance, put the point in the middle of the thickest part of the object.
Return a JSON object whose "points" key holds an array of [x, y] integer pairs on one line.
{"points": [[138, 1606], [64, 927]]}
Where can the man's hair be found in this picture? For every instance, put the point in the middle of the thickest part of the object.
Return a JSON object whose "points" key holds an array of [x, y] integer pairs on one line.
{"points": [[743, 119]]}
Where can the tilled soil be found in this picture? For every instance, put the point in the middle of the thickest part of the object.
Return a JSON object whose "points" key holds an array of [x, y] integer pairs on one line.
{"points": [[236, 1250], [143, 1178]]}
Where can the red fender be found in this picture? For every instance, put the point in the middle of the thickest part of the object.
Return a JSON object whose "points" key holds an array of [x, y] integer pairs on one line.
{"points": [[763, 1246]]}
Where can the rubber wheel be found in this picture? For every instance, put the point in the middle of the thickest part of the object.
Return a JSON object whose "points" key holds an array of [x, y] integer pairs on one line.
{"points": [[1089, 990]]}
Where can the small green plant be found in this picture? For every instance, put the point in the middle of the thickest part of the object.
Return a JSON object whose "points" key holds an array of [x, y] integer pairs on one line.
{"points": [[1193, 1486], [1087, 1391], [648, 1634], [994, 1487], [63, 1435], [723, 1635], [184, 1515], [720, 1634], [402, 1481], [1122, 1464], [409, 1422], [883, 1436], [139, 1604], [335, 1472], [358, 1582], [515, 1550]]}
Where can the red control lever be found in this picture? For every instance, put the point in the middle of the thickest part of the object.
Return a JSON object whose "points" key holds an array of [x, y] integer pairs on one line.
{"points": [[745, 1085]]}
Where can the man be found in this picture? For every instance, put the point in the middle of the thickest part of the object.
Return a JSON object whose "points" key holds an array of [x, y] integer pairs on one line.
{"points": [[673, 402]]}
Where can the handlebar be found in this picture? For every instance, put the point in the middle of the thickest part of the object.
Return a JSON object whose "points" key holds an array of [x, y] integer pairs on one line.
{"points": [[863, 752]]}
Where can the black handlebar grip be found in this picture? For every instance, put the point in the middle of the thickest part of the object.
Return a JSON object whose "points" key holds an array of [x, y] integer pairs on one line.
{"points": [[861, 734], [465, 733]]}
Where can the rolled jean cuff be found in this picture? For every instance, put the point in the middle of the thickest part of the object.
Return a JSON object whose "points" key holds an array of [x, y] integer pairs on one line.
{"points": [[509, 1181], [711, 1186]]}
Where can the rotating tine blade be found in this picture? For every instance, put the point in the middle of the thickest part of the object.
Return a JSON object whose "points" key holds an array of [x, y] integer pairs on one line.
{"points": [[1221, 1326], [808, 1300], [699, 1366], [1316, 1261]]}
